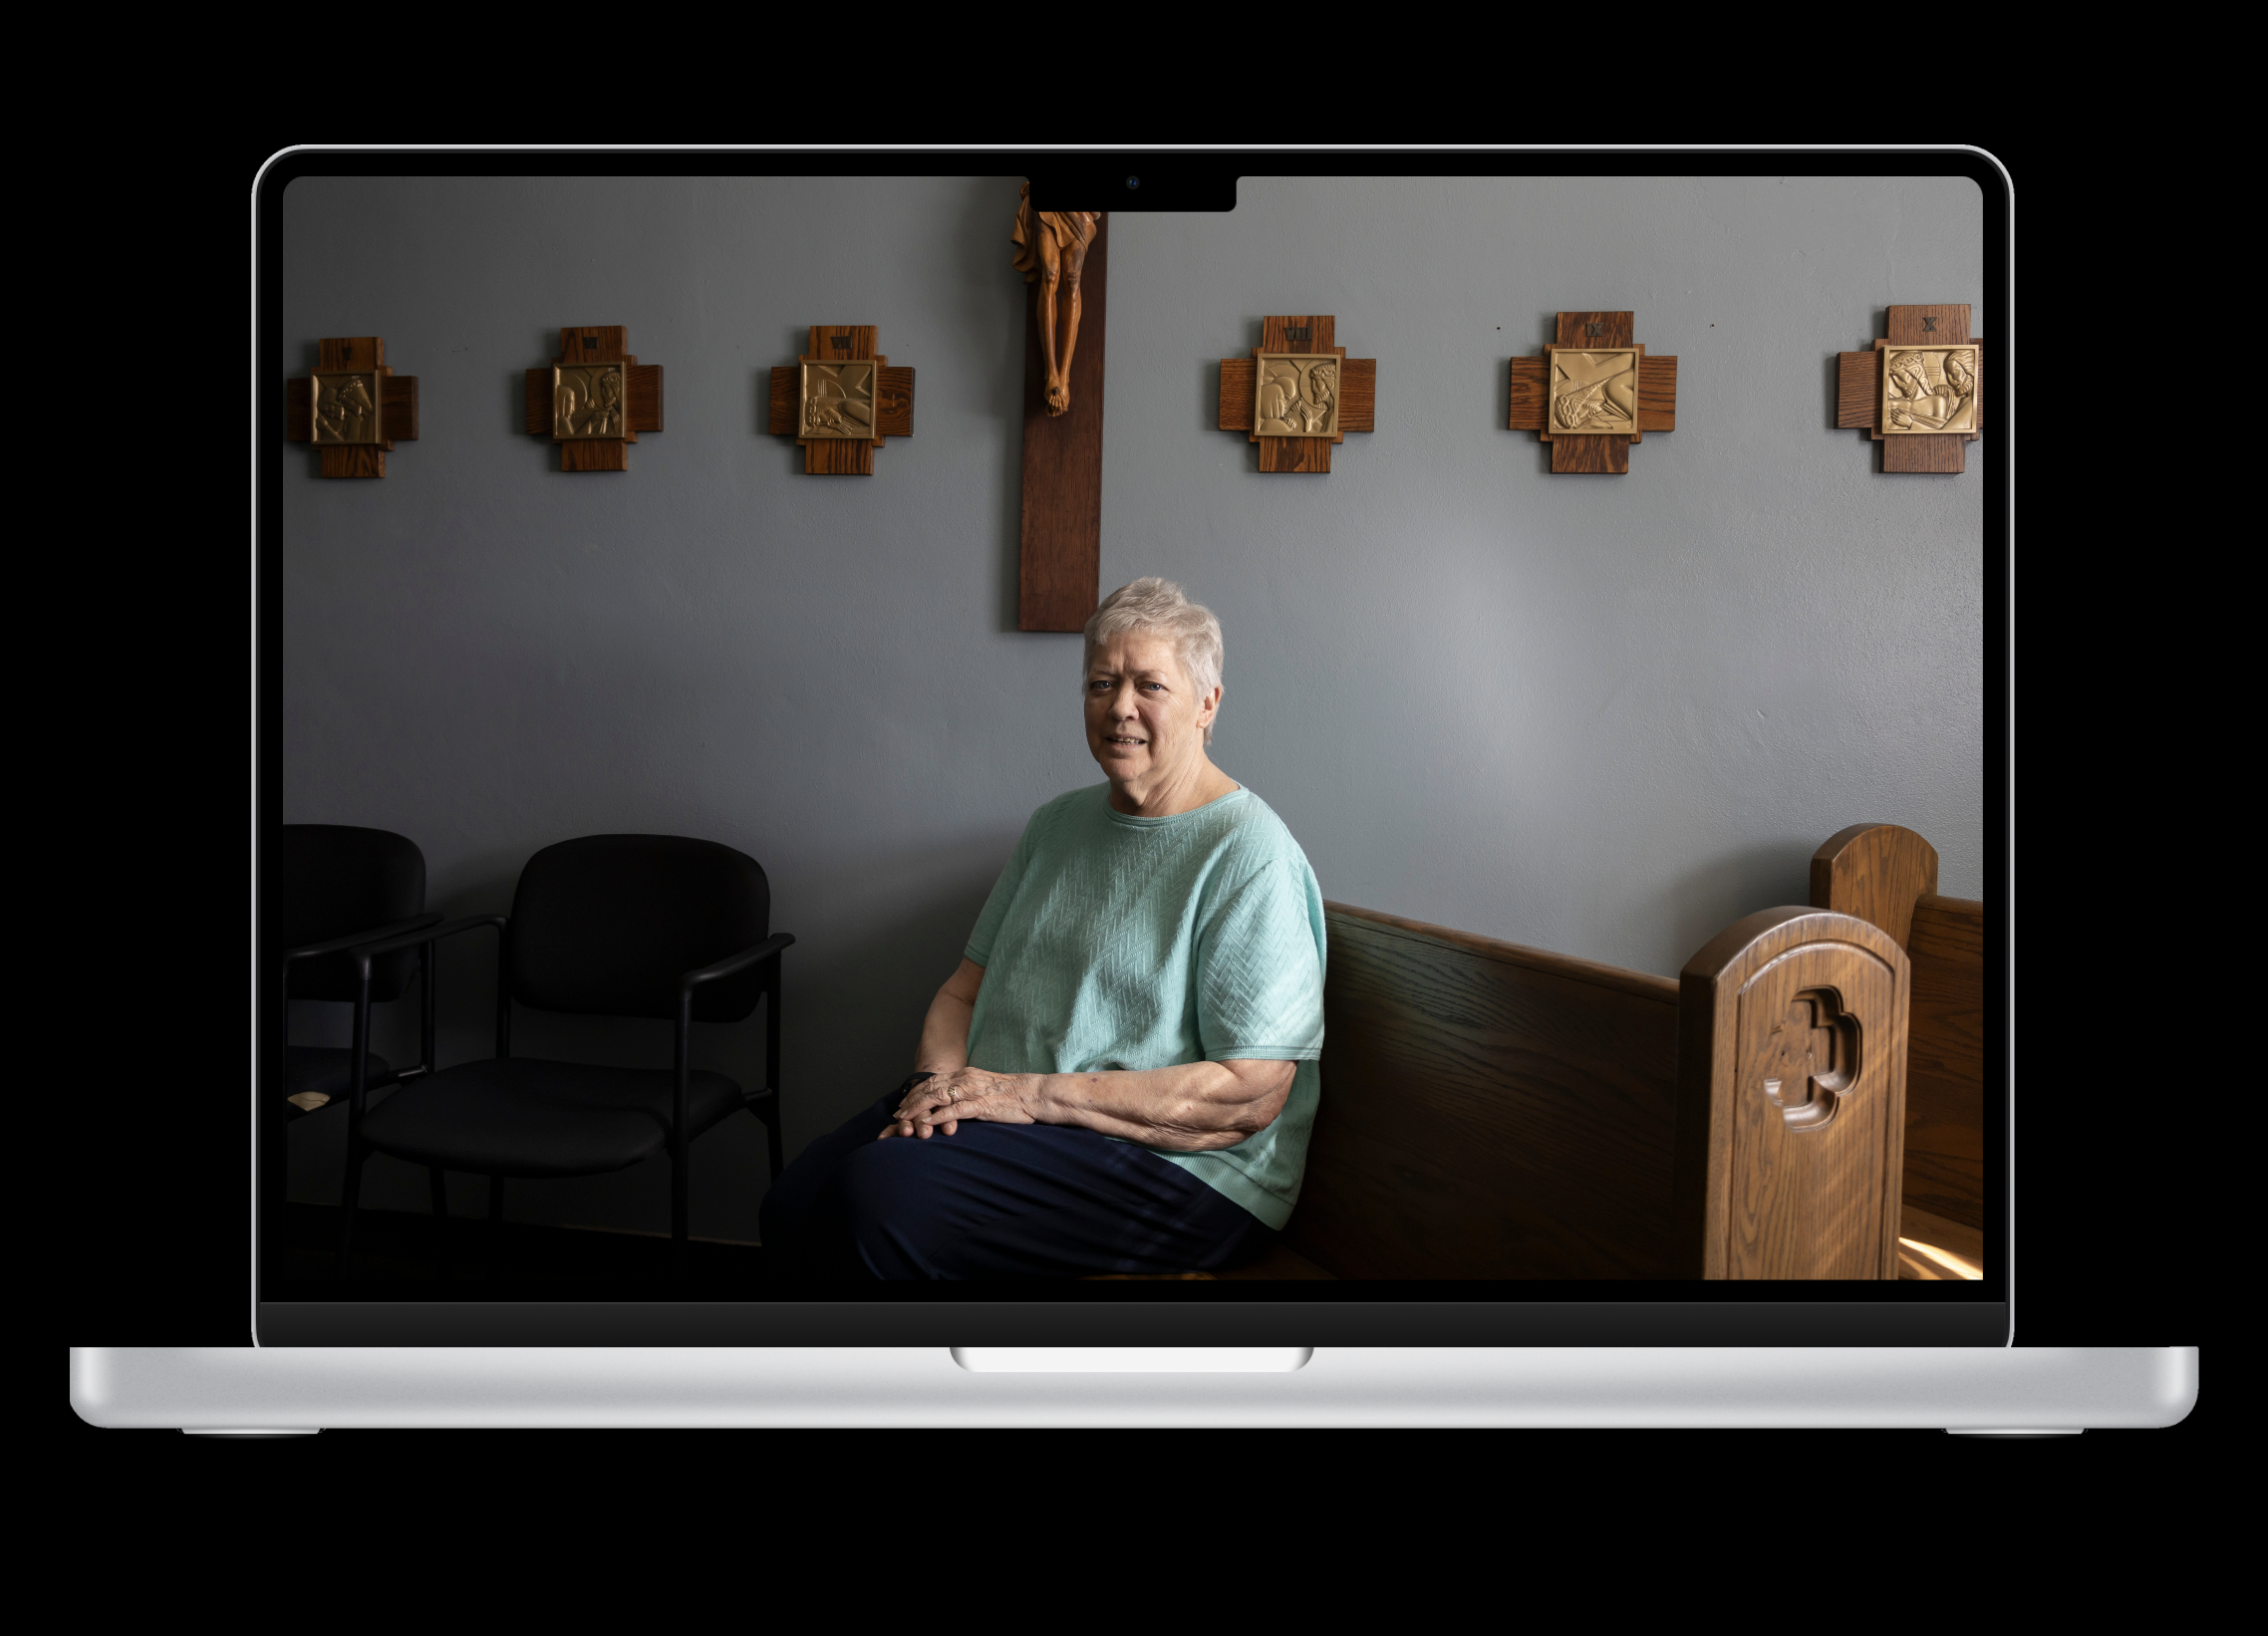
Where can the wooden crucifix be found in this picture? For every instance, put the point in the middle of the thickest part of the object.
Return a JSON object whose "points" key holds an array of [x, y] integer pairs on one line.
{"points": [[353, 408], [595, 398], [1916, 393], [840, 400], [1065, 259], [1298, 394], [1593, 393]]}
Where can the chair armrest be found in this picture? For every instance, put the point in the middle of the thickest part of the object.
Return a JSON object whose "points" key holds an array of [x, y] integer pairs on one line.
{"points": [[415, 923], [767, 949], [367, 952]]}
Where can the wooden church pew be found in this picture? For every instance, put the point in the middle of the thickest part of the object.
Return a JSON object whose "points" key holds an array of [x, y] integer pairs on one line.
{"points": [[1492, 1111], [1888, 876]]}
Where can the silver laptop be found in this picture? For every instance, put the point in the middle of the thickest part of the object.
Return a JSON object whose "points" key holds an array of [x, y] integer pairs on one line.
{"points": [[1530, 1198]]}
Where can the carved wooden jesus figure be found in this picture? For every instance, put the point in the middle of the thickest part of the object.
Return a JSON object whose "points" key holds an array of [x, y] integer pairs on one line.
{"points": [[1051, 247]]}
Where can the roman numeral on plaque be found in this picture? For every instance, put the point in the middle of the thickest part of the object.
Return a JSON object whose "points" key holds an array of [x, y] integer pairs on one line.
{"points": [[1593, 394], [1298, 394], [594, 399], [840, 400], [1919, 392]]}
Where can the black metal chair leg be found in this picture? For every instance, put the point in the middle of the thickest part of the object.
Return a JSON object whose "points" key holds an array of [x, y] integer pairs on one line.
{"points": [[681, 1209], [352, 1187], [771, 1062], [495, 1232], [275, 1157], [439, 1180]]}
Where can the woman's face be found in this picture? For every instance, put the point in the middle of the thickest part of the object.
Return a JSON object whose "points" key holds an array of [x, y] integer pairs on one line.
{"points": [[1144, 716]]}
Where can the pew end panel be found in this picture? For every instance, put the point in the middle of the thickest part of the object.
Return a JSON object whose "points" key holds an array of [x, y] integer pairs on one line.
{"points": [[1791, 1100], [1489, 1111], [1889, 875]]}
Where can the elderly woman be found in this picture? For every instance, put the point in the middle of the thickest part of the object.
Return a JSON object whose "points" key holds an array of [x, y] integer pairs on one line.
{"points": [[1121, 1075]]}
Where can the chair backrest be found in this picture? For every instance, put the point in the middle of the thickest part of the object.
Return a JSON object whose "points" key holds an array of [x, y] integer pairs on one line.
{"points": [[609, 923], [1889, 875], [336, 880]]}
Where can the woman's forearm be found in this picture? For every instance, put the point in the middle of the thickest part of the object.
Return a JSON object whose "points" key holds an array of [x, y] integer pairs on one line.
{"points": [[944, 1036], [1194, 1106], [945, 1030]]}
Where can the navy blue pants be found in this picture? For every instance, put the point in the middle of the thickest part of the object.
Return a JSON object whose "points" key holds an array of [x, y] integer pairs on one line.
{"points": [[992, 1202]]}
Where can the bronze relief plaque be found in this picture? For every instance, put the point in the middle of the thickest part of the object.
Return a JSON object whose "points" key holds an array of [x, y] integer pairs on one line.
{"points": [[838, 399], [1296, 396], [346, 407], [588, 400], [1594, 390], [1929, 389]]}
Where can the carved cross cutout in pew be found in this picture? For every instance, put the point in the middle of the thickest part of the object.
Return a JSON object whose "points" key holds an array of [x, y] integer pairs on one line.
{"points": [[1917, 393], [353, 408], [840, 400], [1811, 1059], [595, 398], [1298, 394], [1593, 393]]}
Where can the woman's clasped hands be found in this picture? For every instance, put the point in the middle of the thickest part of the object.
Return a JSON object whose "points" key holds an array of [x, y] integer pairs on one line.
{"points": [[936, 1105]]}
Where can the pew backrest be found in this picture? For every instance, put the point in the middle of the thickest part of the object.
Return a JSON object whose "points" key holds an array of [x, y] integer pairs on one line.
{"points": [[1887, 874], [1489, 1110]]}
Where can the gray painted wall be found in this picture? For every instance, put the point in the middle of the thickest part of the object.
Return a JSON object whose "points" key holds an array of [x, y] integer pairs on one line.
{"points": [[1605, 715]]}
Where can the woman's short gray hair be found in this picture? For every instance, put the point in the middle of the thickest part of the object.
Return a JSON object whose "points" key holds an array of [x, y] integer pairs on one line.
{"points": [[1161, 605]]}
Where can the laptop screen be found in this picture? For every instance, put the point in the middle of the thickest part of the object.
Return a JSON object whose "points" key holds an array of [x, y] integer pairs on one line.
{"points": [[1134, 749]]}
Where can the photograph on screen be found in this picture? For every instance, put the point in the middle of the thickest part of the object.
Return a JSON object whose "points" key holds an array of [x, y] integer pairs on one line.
{"points": [[1206, 734]]}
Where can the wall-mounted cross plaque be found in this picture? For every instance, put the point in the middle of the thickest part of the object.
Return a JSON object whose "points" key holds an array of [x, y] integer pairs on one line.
{"points": [[840, 400], [353, 408], [595, 398], [1919, 392], [1297, 394], [1593, 393]]}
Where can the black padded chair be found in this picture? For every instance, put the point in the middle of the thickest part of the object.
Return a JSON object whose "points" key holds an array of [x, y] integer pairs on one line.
{"points": [[641, 925], [342, 885]]}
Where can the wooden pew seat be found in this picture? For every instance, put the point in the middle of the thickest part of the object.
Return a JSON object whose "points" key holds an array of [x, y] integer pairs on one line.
{"points": [[1281, 1263]]}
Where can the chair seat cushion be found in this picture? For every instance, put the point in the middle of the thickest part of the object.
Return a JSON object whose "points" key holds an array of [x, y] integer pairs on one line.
{"points": [[525, 1116], [327, 1071]]}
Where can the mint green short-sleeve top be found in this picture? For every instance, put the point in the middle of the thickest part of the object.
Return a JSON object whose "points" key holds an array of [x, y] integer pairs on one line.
{"points": [[1119, 942]]}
